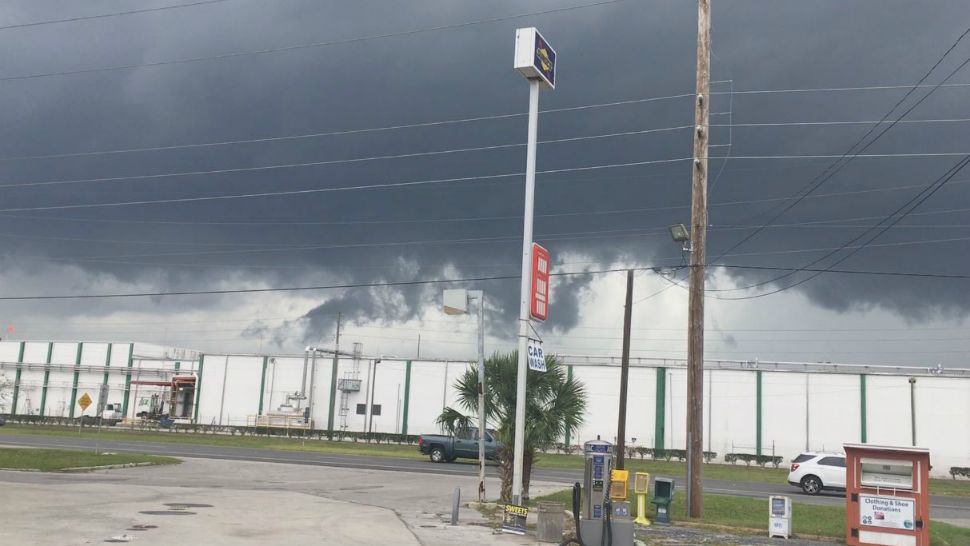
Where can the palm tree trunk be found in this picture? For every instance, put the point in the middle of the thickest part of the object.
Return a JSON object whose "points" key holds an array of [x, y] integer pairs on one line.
{"points": [[528, 458], [505, 474]]}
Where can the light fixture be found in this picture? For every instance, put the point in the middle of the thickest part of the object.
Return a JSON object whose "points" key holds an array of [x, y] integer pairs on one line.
{"points": [[679, 233]]}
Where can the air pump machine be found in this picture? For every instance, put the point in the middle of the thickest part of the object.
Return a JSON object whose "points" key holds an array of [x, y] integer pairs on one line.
{"points": [[606, 518]]}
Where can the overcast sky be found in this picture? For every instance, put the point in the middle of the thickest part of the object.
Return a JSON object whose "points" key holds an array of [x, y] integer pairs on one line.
{"points": [[610, 216]]}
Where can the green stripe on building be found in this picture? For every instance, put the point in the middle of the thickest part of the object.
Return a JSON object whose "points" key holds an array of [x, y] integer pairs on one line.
{"points": [[862, 407], [107, 364], [198, 388], [131, 362], [16, 381], [407, 397], [757, 410], [47, 377], [77, 375], [660, 417], [262, 384]]}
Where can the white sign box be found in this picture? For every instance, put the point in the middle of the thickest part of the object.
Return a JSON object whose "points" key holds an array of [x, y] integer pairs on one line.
{"points": [[888, 512], [537, 359]]}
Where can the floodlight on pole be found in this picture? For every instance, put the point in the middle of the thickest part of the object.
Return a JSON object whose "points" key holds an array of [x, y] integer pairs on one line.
{"points": [[456, 302], [680, 234]]}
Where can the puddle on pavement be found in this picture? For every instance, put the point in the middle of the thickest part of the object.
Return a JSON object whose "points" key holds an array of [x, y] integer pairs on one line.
{"points": [[183, 505], [167, 513]]}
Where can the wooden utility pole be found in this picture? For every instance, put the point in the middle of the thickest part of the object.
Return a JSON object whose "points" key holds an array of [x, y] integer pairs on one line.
{"points": [[624, 372], [698, 235]]}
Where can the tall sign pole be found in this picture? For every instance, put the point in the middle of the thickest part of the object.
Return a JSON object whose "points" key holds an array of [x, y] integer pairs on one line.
{"points": [[536, 61], [698, 233]]}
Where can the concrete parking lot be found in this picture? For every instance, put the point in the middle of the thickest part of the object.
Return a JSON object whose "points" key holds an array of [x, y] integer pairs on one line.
{"points": [[244, 503]]}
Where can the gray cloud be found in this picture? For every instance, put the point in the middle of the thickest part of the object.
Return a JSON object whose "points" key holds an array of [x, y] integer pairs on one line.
{"points": [[629, 50]]}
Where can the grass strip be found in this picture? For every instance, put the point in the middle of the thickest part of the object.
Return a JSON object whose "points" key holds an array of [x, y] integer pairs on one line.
{"points": [[52, 460], [750, 515], [676, 469]]}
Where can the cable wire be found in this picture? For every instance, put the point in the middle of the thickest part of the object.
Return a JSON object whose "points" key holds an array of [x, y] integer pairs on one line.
{"points": [[338, 189], [343, 132], [234, 55], [337, 161], [107, 15]]}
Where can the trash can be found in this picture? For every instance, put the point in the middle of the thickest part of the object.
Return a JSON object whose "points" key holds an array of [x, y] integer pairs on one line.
{"points": [[550, 524]]}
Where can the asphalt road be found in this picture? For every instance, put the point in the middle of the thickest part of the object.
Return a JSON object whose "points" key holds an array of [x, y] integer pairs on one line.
{"points": [[954, 509]]}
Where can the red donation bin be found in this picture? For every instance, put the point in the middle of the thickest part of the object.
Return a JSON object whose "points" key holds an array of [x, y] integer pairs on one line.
{"points": [[887, 497]]}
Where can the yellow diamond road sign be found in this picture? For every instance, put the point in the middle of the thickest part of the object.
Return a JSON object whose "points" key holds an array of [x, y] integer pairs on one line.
{"points": [[84, 401]]}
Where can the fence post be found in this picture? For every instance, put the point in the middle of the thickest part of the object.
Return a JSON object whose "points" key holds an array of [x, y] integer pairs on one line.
{"points": [[757, 445], [660, 413]]}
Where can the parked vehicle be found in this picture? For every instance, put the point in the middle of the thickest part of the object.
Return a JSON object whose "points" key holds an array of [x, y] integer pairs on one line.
{"points": [[464, 445], [2, 421], [815, 472]]}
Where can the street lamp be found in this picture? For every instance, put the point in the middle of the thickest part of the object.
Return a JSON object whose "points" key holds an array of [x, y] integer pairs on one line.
{"points": [[456, 302]]}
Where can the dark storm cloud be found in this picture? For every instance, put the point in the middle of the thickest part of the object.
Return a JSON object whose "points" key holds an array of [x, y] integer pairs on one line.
{"points": [[629, 50]]}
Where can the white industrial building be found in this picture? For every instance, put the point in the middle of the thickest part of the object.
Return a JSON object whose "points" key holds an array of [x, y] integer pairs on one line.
{"points": [[750, 407]]}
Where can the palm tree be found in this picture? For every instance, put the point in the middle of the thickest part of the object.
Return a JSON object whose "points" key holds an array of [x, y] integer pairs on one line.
{"points": [[555, 406]]}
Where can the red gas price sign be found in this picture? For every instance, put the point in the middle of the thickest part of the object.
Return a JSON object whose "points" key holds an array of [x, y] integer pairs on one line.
{"points": [[539, 308]]}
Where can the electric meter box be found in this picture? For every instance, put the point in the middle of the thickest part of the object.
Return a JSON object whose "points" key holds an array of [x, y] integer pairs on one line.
{"points": [[779, 517]]}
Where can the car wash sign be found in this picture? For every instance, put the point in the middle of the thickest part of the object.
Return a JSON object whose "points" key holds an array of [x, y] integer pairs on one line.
{"points": [[537, 359], [539, 305]]}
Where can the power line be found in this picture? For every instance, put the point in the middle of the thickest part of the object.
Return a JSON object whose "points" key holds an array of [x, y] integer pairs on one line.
{"points": [[295, 47], [432, 281], [838, 122], [929, 193], [845, 158], [297, 288], [338, 161], [511, 217], [107, 15], [820, 270], [393, 185], [344, 132], [388, 185], [467, 120], [839, 89], [563, 236]]}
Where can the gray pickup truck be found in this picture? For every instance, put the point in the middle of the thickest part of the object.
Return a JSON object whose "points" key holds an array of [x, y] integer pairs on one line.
{"points": [[464, 445]]}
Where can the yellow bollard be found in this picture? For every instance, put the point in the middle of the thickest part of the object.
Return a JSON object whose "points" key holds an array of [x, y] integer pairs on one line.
{"points": [[641, 486]]}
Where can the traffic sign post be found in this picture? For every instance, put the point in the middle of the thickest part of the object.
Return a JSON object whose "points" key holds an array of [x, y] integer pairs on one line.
{"points": [[536, 61], [84, 401]]}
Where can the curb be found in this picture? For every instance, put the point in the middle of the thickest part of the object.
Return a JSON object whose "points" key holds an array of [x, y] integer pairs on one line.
{"points": [[104, 467]]}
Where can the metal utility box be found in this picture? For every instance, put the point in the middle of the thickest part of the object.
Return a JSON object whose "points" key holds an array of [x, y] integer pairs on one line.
{"points": [[663, 496], [887, 495], [779, 517], [619, 485], [599, 463]]}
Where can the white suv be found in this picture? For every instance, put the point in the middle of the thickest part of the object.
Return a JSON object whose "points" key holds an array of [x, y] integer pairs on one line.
{"points": [[814, 472]]}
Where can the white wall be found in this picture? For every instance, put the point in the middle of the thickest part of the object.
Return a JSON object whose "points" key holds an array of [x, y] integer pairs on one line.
{"points": [[834, 400]]}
